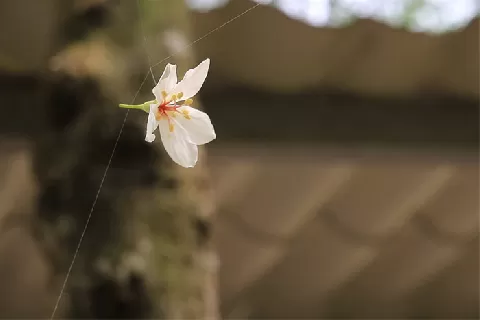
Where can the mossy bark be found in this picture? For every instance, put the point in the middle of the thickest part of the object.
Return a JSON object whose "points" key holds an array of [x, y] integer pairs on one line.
{"points": [[146, 252]]}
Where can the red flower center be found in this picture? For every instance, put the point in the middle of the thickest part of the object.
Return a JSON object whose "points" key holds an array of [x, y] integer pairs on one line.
{"points": [[166, 106]]}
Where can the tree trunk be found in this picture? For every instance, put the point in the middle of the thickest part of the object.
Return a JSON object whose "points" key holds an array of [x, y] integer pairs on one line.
{"points": [[146, 252]]}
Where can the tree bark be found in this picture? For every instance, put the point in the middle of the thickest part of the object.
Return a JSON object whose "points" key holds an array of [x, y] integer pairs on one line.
{"points": [[146, 252]]}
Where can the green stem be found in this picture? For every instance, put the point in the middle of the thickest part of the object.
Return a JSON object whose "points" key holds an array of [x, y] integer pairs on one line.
{"points": [[144, 106]]}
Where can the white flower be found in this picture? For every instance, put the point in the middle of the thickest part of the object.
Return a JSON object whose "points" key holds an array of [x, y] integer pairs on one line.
{"points": [[181, 127]]}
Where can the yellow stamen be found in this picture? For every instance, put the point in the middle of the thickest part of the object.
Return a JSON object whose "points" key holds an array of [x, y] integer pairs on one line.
{"points": [[188, 102], [164, 94], [186, 114], [180, 95], [174, 97], [158, 116], [171, 127]]}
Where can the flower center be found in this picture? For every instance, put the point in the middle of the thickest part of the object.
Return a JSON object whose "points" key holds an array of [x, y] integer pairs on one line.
{"points": [[168, 108]]}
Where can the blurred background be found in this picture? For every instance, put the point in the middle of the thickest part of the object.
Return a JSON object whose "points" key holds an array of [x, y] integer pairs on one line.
{"points": [[343, 183]]}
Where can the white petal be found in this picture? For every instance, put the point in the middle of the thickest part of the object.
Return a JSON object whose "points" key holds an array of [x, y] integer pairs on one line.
{"points": [[151, 124], [177, 146], [167, 81], [193, 80], [197, 124]]}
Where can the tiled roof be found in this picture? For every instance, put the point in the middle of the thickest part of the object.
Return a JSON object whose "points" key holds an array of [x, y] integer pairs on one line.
{"points": [[323, 233]]}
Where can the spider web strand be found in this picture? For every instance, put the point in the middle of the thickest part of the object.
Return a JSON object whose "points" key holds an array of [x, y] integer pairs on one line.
{"points": [[118, 138]]}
